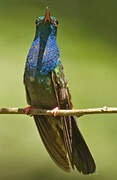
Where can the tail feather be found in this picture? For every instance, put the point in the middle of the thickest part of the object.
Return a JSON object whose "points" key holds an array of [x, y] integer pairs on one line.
{"points": [[82, 157], [53, 141], [67, 133], [61, 144]]}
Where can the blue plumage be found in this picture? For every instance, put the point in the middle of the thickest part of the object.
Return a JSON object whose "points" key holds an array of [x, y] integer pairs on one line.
{"points": [[32, 58], [43, 59], [51, 56]]}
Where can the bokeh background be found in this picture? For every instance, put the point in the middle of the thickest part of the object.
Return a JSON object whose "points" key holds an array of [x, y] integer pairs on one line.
{"points": [[87, 38]]}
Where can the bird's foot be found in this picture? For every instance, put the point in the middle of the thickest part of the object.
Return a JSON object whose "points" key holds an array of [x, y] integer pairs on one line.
{"points": [[27, 110], [54, 111]]}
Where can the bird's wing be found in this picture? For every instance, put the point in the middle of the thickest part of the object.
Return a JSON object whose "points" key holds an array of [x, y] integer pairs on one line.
{"points": [[77, 149], [64, 101]]}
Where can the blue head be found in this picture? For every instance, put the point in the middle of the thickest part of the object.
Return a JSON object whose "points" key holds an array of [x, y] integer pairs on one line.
{"points": [[44, 55]]}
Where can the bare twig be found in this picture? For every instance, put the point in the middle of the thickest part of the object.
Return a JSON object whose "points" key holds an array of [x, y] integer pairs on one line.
{"points": [[77, 112]]}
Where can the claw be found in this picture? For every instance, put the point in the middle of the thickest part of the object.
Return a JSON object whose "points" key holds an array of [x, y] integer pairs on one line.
{"points": [[27, 110], [54, 111]]}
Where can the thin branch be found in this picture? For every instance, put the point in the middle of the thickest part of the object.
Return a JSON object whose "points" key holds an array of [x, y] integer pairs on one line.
{"points": [[77, 112]]}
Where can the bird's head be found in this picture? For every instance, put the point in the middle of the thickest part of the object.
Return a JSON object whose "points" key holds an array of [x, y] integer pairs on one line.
{"points": [[46, 25]]}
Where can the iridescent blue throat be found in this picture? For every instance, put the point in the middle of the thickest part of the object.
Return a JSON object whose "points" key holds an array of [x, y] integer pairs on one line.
{"points": [[43, 56]]}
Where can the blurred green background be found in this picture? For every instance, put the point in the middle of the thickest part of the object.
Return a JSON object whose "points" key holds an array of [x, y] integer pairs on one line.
{"points": [[87, 38]]}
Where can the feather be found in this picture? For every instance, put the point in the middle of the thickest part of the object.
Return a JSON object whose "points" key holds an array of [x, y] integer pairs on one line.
{"points": [[53, 141]]}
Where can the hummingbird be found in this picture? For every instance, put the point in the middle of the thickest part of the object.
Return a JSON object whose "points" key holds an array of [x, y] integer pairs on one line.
{"points": [[46, 88]]}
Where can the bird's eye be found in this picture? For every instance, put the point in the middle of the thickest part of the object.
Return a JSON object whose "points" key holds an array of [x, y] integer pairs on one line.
{"points": [[37, 21], [56, 23]]}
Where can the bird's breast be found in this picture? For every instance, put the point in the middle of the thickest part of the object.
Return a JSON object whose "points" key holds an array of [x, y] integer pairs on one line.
{"points": [[41, 91]]}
